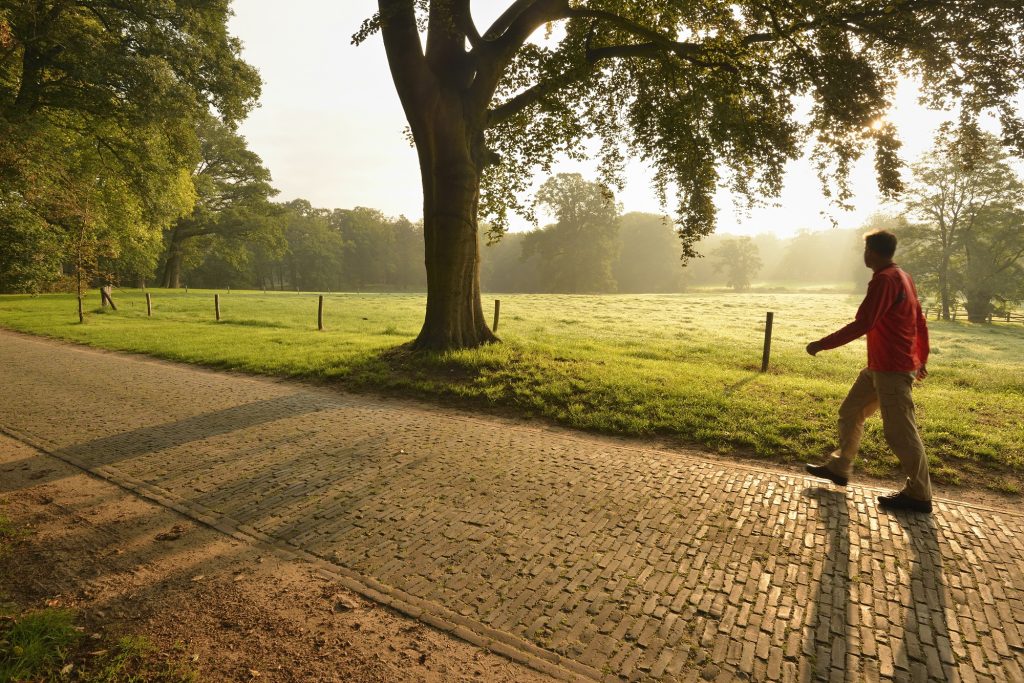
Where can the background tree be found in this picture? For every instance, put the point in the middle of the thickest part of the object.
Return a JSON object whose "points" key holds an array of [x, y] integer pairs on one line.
{"points": [[316, 252], [97, 105], [820, 256], [648, 255], [233, 201], [575, 254], [959, 192], [502, 268], [707, 92], [739, 258], [993, 261]]}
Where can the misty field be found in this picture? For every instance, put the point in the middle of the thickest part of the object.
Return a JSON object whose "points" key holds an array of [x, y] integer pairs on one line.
{"points": [[683, 368]]}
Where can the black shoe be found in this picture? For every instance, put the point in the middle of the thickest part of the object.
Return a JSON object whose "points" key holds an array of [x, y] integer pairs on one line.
{"points": [[901, 501], [823, 472]]}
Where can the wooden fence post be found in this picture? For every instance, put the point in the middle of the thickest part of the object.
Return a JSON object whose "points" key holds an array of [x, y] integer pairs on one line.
{"points": [[766, 354], [149, 305], [105, 296], [320, 314], [216, 305], [497, 314]]}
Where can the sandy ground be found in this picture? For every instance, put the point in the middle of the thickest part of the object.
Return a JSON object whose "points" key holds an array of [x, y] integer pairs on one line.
{"points": [[231, 611]]}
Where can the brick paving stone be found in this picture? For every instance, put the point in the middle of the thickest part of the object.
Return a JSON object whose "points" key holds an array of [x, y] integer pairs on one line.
{"points": [[627, 560]]}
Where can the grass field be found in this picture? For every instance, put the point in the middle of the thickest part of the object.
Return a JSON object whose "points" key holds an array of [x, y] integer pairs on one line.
{"points": [[682, 367]]}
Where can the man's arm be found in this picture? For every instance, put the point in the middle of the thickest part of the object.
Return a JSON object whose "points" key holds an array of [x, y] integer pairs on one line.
{"points": [[879, 298]]}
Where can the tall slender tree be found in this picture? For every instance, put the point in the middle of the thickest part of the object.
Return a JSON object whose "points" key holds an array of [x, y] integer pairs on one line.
{"points": [[705, 91]]}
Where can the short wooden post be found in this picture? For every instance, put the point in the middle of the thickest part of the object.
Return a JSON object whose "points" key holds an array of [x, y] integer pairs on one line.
{"points": [[766, 354], [497, 314], [216, 305], [320, 314], [149, 305], [186, 289]]}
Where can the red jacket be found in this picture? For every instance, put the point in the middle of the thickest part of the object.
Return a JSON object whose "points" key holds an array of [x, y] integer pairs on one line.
{"points": [[891, 317]]}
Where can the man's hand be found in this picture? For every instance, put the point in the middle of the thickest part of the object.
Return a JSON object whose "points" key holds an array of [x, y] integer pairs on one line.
{"points": [[813, 348], [922, 372]]}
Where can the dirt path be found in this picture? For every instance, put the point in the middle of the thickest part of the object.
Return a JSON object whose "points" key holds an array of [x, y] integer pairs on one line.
{"points": [[582, 556], [233, 611]]}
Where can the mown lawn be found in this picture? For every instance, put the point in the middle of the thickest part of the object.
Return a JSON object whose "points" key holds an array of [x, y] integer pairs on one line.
{"points": [[682, 367]]}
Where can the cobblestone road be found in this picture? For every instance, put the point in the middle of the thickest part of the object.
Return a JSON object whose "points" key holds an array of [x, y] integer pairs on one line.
{"points": [[582, 555]]}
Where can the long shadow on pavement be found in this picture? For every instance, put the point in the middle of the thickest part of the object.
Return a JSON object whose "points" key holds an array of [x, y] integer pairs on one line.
{"points": [[126, 445], [924, 651], [827, 636]]}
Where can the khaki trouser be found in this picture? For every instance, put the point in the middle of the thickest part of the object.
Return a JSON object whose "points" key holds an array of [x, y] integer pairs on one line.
{"points": [[891, 392]]}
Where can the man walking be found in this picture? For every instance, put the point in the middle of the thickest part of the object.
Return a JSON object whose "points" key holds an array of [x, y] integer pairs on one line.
{"points": [[891, 317]]}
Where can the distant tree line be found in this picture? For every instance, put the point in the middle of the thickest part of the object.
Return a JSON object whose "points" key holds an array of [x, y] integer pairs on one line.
{"points": [[645, 259], [591, 248], [311, 249]]}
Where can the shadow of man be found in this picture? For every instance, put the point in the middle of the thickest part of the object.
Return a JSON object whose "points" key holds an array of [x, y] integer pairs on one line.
{"points": [[924, 651], [826, 640]]}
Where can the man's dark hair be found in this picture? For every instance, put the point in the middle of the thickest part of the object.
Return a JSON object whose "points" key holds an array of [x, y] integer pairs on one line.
{"points": [[881, 242]]}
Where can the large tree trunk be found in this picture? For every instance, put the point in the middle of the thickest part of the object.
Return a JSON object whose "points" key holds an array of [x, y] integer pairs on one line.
{"points": [[445, 93], [451, 158], [944, 287], [172, 264], [979, 306], [172, 271]]}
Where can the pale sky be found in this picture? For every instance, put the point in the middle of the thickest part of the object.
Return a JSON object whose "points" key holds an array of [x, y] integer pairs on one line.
{"points": [[330, 126]]}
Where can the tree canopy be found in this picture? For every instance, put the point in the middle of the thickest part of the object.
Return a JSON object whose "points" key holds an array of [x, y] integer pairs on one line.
{"points": [[707, 92], [233, 194]]}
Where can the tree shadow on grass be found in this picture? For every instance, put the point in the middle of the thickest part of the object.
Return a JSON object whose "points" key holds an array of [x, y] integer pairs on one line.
{"points": [[427, 372]]}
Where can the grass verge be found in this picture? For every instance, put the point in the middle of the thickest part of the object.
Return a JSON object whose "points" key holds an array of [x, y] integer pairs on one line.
{"points": [[680, 367]]}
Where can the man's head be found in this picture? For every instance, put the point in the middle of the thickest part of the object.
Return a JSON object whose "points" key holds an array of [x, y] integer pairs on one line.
{"points": [[879, 248]]}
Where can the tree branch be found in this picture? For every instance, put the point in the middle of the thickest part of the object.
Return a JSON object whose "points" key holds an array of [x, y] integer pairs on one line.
{"points": [[446, 41], [507, 18], [405, 54], [540, 90]]}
